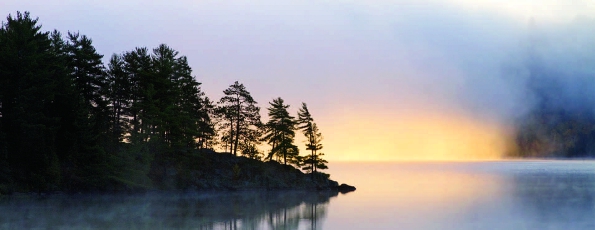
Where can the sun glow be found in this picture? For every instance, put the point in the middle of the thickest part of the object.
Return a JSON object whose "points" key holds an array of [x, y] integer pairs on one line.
{"points": [[416, 137]]}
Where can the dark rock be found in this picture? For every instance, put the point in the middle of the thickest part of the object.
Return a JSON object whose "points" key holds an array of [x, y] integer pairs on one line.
{"points": [[345, 188], [217, 171]]}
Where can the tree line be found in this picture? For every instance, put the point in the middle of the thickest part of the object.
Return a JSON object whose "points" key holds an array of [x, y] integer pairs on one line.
{"points": [[560, 123], [68, 121]]}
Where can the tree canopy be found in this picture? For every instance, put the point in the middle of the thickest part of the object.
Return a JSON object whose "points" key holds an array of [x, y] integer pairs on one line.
{"points": [[241, 117], [280, 132], [69, 121], [313, 136]]}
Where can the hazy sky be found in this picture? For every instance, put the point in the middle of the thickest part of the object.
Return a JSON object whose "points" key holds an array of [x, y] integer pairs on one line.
{"points": [[385, 80]]}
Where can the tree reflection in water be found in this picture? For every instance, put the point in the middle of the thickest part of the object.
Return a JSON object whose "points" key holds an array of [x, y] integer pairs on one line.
{"points": [[205, 210]]}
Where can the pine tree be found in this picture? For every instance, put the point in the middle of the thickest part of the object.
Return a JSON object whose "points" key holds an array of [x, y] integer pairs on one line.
{"points": [[129, 158], [281, 132], [313, 161], [190, 114], [28, 88], [223, 124], [137, 64], [87, 71], [68, 123], [207, 135], [86, 159], [240, 114], [167, 108], [119, 96]]}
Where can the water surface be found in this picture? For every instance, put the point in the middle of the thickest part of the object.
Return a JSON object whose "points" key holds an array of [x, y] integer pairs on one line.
{"points": [[466, 195], [470, 195]]}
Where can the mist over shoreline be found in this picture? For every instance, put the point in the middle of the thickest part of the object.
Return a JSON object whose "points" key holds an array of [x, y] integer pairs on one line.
{"points": [[560, 121]]}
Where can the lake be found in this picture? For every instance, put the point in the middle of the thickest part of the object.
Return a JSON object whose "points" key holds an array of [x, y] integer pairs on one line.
{"points": [[461, 195]]}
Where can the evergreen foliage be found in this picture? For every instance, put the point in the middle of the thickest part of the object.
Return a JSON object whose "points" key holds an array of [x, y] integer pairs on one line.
{"points": [[281, 133], [28, 86], [70, 122], [240, 117], [313, 161]]}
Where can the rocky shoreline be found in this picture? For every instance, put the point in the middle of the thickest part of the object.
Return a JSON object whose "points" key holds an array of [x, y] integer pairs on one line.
{"points": [[222, 172], [216, 171]]}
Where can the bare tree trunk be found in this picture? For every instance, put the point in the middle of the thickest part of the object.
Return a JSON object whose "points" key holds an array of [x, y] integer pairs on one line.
{"points": [[314, 160], [313, 163], [272, 153], [284, 154], [237, 138]]}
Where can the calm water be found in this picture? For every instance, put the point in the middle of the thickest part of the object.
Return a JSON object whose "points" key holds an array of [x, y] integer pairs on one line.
{"points": [[478, 195]]}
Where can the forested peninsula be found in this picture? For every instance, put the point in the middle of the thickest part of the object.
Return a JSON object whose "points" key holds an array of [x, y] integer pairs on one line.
{"points": [[70, 123]]}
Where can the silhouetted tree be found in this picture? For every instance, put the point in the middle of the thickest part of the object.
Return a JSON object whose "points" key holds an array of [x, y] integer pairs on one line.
{"points": [[240, 115], [314, 161], [65, 107], [207, 134], [119, 95], [28, 89], [281, 132], [85, 162], [250, 150], [69, 123], [306, 123], [137, 65]]}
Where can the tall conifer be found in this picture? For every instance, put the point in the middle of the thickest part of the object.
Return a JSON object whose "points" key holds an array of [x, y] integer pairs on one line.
{"points": [[313, 161], [241, 115], [281, 132]]}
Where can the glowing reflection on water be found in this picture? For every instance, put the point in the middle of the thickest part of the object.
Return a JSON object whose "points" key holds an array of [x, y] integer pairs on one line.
{"points": [[469, 195], [466, 195]]}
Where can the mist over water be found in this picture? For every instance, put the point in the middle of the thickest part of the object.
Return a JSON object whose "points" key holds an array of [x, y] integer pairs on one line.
{"points": [[466, 195], [169, 210], [532, 98], [560, 83], [530, 195]]}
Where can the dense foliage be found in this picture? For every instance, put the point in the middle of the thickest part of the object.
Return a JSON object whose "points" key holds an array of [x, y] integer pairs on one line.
{"points": [[70, 122], [281, 132]]}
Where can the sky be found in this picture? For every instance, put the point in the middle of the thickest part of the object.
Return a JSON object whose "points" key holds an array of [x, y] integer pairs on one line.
{"points": [[385, 80]]}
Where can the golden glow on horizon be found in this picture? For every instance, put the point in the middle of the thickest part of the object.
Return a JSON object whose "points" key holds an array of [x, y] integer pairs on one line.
{"points": [[416, 137], [416, 188], [440, 188]]}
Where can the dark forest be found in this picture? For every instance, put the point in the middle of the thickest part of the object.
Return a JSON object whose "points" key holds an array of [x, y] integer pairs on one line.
{"points": [[69, 122]]}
